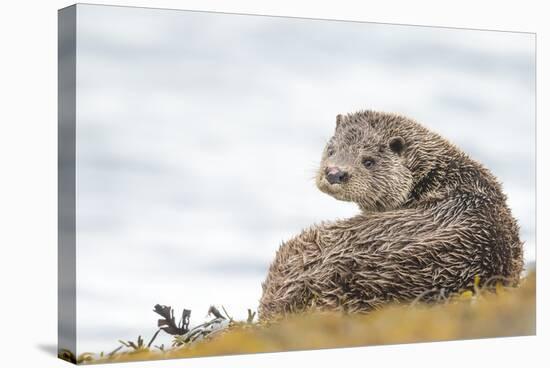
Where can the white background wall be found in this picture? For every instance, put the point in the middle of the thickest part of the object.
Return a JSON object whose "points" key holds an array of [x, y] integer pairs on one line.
{"points": [[28, 188]]}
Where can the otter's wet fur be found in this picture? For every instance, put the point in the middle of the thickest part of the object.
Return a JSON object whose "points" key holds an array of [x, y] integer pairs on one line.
{"points": [[431, 220]]}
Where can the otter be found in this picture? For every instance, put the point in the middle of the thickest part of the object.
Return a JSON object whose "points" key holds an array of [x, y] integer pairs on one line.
{"points": [[431, 220]]}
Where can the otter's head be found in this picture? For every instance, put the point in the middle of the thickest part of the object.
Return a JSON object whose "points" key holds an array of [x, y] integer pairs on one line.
{"points": [[364, 162]]}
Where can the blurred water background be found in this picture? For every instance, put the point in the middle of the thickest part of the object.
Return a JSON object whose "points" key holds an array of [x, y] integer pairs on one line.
{"points": [[199, 135]]}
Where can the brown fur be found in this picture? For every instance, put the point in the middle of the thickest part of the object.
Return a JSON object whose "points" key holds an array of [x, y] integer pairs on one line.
{"points": [[431, 219]]}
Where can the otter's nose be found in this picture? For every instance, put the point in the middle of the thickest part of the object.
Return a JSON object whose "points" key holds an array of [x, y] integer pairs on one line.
{"points": [[336, 176]]}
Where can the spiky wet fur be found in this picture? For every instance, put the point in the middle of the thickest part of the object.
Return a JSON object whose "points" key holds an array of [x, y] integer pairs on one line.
{"points": [[431, 219]]}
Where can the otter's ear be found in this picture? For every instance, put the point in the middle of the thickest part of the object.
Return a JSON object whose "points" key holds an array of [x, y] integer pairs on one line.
{"points": [[397, 145], [339, 119]]}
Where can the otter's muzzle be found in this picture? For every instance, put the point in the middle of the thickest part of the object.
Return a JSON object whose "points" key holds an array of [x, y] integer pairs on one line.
{"points": [[335, 175]]}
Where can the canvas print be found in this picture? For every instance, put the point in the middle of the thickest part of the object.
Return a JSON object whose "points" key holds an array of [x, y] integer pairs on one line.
{"points": [[234, 184]]}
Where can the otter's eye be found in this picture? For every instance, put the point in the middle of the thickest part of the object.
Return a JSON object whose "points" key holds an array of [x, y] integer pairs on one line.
{"points": [[330, 152], [368, 162]]}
